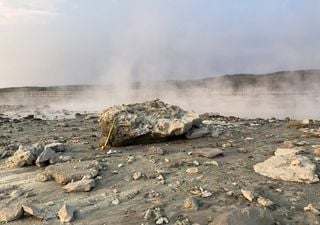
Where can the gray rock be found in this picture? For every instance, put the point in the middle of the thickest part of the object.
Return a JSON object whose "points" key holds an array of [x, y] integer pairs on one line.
{"points": [[10, 214], [197, 133], [66, 172], [34, 211], [147, 122], [207, 152], [80, 186], [288, 166], [66, 213], [56, 147], [246, 216], [47, 157]]}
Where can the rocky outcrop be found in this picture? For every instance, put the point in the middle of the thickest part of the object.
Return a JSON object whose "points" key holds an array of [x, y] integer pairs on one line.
{"points": [[147, 122], [288, 165]]}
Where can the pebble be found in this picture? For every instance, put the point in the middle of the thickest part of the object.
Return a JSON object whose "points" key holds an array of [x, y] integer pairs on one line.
{"points": [[191, 203], [66, 213], [248, 195], [192, 170]]}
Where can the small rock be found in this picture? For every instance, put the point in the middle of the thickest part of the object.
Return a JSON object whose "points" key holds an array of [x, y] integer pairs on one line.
{"points": [[10, 214], [34, 211], [137, 175], [311, 208], [116, 202], [47, 157], [80, 186], [41, 177], [197, 133], [316, 152], [264, 202], [56, 147], [207, 152], [162, 220], [191, 203], [66, 172], [248, 195], [192, 170], [66, 213], [211, 163], [242, 150], [21, 157]]}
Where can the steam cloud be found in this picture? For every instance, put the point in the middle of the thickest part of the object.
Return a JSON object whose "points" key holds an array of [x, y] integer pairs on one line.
{"points": [[121, 42]]}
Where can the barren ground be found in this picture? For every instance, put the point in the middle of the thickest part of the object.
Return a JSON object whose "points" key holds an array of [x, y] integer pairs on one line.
{"points": [[244, 142]]}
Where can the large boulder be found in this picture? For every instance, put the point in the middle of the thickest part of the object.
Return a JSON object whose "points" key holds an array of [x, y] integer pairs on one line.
{"points": [[288, 165], [151, 121], [247, 216]]}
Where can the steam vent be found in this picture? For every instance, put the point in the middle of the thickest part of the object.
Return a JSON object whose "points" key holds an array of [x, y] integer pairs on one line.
{"points": [[147, 122]]}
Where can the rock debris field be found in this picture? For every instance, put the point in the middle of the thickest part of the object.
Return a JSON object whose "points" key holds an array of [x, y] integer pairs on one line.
{"points": [[153, 163]]}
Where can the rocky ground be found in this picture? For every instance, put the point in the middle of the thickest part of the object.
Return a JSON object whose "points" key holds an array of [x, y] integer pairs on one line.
{"points": [[201, 180]]}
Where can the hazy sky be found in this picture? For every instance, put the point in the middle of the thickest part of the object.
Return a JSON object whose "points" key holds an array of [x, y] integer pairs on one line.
{"points": [[53, 42]]}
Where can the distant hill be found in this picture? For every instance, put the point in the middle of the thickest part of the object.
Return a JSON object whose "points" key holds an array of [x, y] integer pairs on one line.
{"points": [[301, 80]]}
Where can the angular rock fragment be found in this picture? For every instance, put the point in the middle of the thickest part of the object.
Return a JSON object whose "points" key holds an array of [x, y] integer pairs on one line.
{"points": [[207, 152], [246, 216], [34, 211], [197, 133], [66, 172], [56, 147], [47, 157], [151, 121], [66, 213], [80, 186], [248, 195], [10, 214], [288, 166]]}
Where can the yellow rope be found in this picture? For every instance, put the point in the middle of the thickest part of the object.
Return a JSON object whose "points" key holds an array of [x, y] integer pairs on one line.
{"points": [[109, 134]]}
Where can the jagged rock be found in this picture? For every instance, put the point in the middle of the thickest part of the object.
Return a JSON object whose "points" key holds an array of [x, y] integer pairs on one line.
{"points": [[248, 195], [24, 156], [151, 121], [34, 211], [246, 216], [47, 157], [288, 166], [10, 214], [57, 147], [66, 213], [80, 186], [66, 172], [207, 152]]}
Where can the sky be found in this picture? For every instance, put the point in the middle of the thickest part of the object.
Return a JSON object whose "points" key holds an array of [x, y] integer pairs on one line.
{"points": [[63, 42]]}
